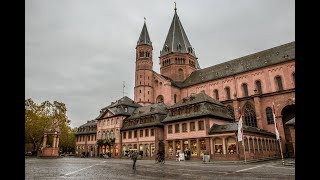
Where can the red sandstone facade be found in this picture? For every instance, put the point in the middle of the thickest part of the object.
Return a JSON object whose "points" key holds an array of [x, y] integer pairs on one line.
{"points": [[249, 84], [257, 86]]}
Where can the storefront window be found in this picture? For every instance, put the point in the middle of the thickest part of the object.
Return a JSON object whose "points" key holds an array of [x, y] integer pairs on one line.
{"points": [[231, 145], [178, 145], [185, 145], [170, 148], [152, 150], [193, 148], [202, 147], [218, 146]]}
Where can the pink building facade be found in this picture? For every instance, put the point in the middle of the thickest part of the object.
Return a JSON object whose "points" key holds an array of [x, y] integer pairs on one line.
{"points": [[250, 84]]}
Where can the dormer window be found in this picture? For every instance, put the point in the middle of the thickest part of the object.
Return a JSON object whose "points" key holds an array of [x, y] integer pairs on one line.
{"points": [[125, 109]]}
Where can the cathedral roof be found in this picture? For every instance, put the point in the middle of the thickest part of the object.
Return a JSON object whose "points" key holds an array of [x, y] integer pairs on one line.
{"points": [[233, 127], [275, 55], [177, 40], [144, 36]]}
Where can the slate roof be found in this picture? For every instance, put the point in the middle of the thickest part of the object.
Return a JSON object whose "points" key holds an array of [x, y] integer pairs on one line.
{"points": [[177, 40], [275, 55], [117, 107], [144, 36], [291, 122], [210, 107], [196, 98], [233, 127], [158, 108], [92, 123]]}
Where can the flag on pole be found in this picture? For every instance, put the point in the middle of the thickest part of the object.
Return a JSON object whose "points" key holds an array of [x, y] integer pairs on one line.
{"points": [[240, 130], [275, 122]]}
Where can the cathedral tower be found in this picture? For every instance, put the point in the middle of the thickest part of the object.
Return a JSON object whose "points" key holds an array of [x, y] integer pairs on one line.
{"points": [[143, 90], [177, 57]]}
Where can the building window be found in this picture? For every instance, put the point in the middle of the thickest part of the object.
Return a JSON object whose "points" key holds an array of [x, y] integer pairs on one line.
{"points": [[250, 115], [140, 91], [135, 134], [200, 125], [141, 133], [228, 93], [160, 99], [147, 132], [124, 135], [269, 114], [216, 94], [141, 54], [258, 87], [245, 90], [184, 127], [140, 76], [130, 135], [152, 132], [170, 129], [218, 146], [180, 75], [175, 98], [112, 121], [108, 122], [176, 128], [148, 92], [279, 83], [192, 126]]}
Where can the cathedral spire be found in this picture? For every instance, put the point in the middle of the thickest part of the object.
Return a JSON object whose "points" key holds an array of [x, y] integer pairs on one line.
{"points": [[144, 35], [177, 40]]}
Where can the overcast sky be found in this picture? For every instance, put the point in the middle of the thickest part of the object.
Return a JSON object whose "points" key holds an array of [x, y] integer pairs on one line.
{"points": [[79, 52]]}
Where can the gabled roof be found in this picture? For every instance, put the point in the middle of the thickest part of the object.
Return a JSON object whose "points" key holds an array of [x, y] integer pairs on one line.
{"points": [[144, 36], [177, 40], [275, 55], [124, 101], [196, 98], [233, 127], [91, 123], [117, 107], [158, 108]]}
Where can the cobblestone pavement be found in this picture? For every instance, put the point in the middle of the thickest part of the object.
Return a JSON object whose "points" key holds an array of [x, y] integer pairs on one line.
{"points": [[97, 168]]}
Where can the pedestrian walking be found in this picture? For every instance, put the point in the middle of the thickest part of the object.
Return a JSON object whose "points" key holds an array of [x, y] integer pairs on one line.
{"points": [[134, 157]]}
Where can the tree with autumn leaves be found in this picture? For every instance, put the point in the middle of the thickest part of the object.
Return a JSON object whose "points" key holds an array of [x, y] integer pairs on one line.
{"points": [[48, 116]]}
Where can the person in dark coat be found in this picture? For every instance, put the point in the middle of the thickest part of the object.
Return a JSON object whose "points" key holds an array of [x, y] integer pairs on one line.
{"points": [[134, 157]]}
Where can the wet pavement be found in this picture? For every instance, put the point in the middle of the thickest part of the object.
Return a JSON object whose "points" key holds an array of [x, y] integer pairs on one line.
{"points": [[98, 168]]}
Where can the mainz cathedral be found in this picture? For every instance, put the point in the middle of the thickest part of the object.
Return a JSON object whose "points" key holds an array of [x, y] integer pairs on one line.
{"points": [[195, 110]]}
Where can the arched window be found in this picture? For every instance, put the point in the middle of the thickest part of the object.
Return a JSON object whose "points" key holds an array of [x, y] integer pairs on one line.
{"points": [[250, 115], [269, 114], [228, 93], [216, 94], [175, 98], [245, 90], [258, 86], [159, 99], [279, 83], [180, 74], [231, 111]]}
